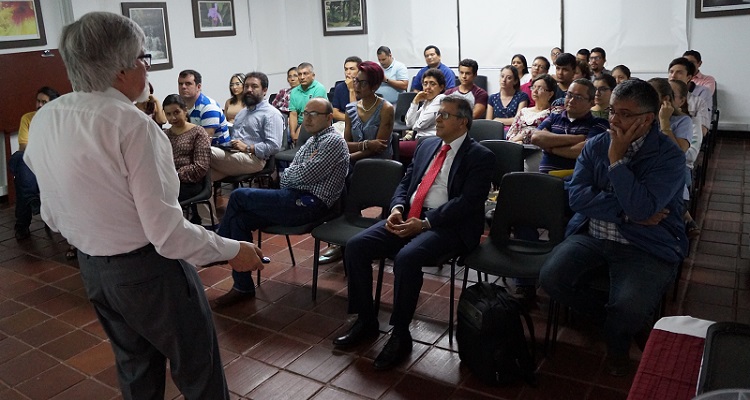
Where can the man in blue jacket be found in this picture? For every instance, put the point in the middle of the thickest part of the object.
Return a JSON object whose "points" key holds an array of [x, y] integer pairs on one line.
{"points": [[626, 192]]}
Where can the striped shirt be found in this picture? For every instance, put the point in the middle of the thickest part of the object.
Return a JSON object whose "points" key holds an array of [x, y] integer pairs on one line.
{"points": [[319, 167], [207, 113], [560, 124]]}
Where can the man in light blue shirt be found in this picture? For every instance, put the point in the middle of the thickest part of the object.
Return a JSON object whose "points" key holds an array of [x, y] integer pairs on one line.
{"points": [[396, 76], [256, 135]]}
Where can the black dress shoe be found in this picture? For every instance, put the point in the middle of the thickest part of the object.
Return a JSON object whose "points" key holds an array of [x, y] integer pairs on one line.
{"points": [[361, 330], [23, 233], [232, 297], [395, 351], [332, 254]]}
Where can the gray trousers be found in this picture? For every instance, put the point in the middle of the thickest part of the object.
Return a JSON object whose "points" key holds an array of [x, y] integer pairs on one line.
{"points": [[154, 309]]}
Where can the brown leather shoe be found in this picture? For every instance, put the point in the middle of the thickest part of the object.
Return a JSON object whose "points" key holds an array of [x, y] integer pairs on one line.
{"points": [[232, 297]]}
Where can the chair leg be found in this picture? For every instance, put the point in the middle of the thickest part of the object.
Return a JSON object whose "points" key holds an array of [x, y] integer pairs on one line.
{"points": [[553, 320], [379, 285], [466, 277], [316, 255], [677, 281], [260, 240], [291, 252], [452, 298]]}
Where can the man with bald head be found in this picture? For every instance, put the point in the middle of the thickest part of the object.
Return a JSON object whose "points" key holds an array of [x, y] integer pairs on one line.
{"points": [[309, 187]]}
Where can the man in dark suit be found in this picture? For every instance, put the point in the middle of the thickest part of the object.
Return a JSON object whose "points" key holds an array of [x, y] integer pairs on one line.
{"points": [[437, 208]]}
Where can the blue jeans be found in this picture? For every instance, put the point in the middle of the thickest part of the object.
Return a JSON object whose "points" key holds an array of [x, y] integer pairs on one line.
{"points": [[27, 190], [638, 281], [250, 209]]}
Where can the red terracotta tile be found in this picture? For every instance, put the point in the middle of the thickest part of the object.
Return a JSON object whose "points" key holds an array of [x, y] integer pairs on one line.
{"points": [[70, 283], [361, 378], [713, 277], [69, 345], [275, 317], [11, 348], [710, 294], [320, 363], [277, 350], [335, 394], [61, 304], [440, 365], [39, 295], [45, 332], [719, 249], [25, 366], [109, 377], [93, 360], [711, 261], [57, 273], [79, 316], [87, 389], [21, 321], [10, 307], [20, 288], [244, 375], [242, 338], [50, 382], [312, 328], [285, 385], [707, 311], [416, 387]]}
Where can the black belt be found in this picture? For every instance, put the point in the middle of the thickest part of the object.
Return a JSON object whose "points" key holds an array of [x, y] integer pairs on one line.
{"points": [[137, 252]]}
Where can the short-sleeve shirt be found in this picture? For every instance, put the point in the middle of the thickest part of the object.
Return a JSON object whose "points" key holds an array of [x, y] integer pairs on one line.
{"points": [[450, 77], [509, 111], [560, 124], [476, 95], [340, 96], [299, 97], [207, 113], [395, 72]]}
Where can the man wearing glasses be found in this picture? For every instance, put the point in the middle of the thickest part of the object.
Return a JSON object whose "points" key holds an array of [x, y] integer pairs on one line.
{"points": [[627, 194], [309, 187], [437, 208], [563, 135], [597, 59], [111, 191]]}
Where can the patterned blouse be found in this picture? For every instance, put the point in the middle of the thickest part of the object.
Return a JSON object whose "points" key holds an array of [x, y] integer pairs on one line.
{"points": [[281, 101], [509, 111], [525, 123], [191, 151]]}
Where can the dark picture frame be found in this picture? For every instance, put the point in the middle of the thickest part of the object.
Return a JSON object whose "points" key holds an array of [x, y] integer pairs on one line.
{"points": [[214, 18], [344, 17], [28, 25], [721, 8], [153, 19]]}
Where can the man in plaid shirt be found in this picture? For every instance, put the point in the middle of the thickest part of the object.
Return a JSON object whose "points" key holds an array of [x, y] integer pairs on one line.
{"points": [[309, 187]]}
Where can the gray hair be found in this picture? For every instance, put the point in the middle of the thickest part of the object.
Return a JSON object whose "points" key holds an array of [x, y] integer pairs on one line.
{"points": [[97, 46], [641, 92], [464, 108]]}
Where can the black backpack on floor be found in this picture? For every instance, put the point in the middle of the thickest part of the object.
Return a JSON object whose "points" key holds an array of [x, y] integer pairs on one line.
{"points": [[491, 338]]}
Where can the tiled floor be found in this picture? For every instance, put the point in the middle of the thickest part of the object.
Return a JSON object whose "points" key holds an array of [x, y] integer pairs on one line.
{"points": [[279, 345]]}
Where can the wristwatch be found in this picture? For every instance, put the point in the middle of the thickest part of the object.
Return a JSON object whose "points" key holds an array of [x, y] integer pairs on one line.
{"points": [[425, 225]]}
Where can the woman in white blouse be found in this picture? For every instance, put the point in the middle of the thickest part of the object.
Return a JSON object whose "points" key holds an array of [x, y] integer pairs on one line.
{"points": [[422, 114]]}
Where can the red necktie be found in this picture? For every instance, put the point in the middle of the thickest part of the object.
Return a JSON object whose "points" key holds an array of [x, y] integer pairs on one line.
{"points": [[427, 181]]}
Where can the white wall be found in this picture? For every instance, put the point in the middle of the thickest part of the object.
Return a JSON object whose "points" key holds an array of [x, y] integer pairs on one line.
{"points": [[274, 35]]}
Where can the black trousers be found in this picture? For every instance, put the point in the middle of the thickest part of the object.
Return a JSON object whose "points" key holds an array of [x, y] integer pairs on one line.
{"points": [[154, 309], [409, 255]]}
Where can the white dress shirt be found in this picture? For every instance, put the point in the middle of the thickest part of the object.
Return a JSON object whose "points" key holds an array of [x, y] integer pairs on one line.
{"points": [[438, 193], [108, 182]]}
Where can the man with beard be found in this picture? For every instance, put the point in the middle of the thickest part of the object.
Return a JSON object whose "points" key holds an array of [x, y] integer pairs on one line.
{"points": [[258, 130]]}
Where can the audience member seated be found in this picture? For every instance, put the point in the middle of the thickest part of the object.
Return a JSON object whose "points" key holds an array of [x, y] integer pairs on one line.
{"points": [[604, 85], [522, 67], [203, 110], [27, 190], [369, 125], [150, 105], [538, 67], [432, 58], [672, 122], [307, 89], [621, 73], [565, 69], [699, 99], [422, 114], [505, 105], [597, 59], [542, 89], [431, 215], [562, 136], [626, 192], [553, 54], [309, 187], [699, 78], [257, 134], [343, 93], [233, 105], [396, 76], [582, 70], [583, 55], [476, 96], [680, 90], [191, 150], [281, 101]]}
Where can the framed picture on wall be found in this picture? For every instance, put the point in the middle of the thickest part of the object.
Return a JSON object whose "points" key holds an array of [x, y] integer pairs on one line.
{"points": [[152, 18], [344, 17], [721, 8], [213, 18], [21, 24]]}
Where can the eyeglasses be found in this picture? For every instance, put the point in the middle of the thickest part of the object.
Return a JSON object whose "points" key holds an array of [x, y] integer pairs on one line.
{"points": [[623, 114], [602, 89], [146, 59], [313, 113], [446, 115], [359, 81], [577, 97], [539, 89], [595, 58], [429, 83], [555, 53]]}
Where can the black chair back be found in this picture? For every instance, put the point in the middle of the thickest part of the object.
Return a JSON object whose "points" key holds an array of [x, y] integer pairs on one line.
{"points": [[373, 183], [508, 158], [481, 81], [487, 129], [529, 200], [402, 106]]}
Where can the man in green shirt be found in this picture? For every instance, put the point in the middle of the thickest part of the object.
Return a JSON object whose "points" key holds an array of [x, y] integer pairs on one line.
{"points": [[300, 95]]}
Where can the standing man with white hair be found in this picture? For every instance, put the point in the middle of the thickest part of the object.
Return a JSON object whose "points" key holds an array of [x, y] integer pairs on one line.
{"points": [[111, 189]]}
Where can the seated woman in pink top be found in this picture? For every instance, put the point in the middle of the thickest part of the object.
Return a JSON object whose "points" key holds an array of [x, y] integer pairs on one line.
{"points": [[527, 120], [191, 149]]}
